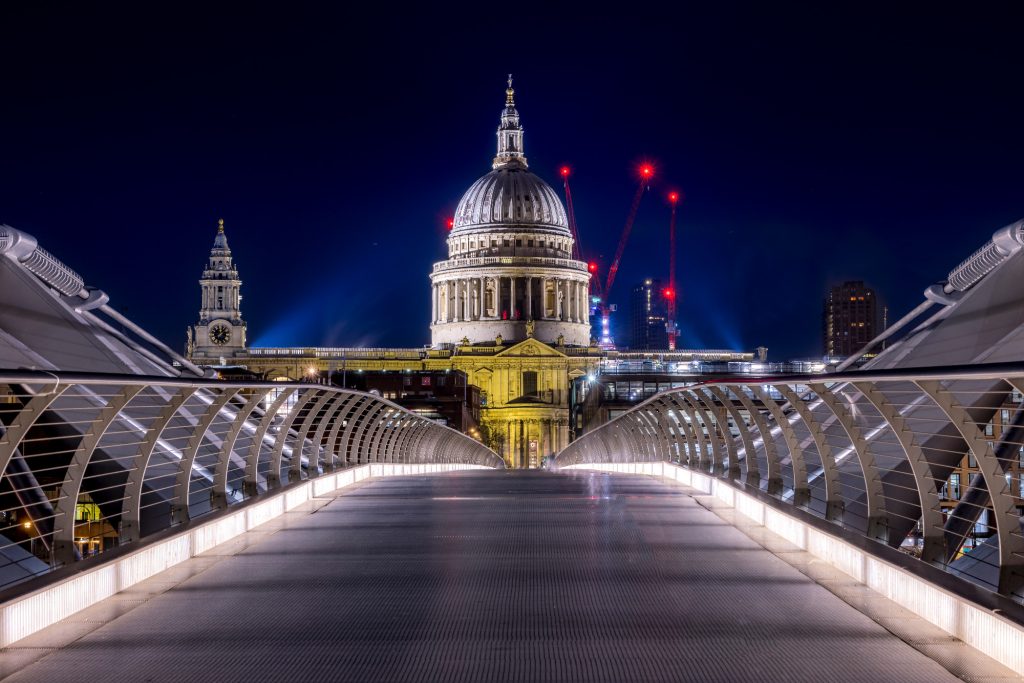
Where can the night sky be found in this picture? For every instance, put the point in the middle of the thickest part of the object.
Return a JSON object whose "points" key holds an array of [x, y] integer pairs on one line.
{"points": [[811, 147]]}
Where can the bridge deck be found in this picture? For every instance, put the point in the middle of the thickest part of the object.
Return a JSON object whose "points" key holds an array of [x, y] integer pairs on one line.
{"points": [[496, 576]]}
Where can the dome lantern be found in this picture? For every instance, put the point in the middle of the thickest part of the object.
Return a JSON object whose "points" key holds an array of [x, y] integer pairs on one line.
{"points": [[510, 134]]}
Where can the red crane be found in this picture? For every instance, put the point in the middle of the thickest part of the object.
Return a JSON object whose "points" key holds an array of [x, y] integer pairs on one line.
{"points": [[646, 173], [576, 247], [671, 294]]}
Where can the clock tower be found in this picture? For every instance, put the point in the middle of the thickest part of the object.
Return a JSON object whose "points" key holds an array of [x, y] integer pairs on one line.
{"points": [[220, 333]]}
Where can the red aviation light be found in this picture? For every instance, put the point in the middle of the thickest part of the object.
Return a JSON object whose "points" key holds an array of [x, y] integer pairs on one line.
{"points": [[451, 223], [592, 267], [669, 294], [646, 171], [673, 197], [564, 171]]}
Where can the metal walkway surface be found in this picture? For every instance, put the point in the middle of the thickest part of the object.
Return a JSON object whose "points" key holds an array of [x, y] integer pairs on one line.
{"points": [[494, 576]]}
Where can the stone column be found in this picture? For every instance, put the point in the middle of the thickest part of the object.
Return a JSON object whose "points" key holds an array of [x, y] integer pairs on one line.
{"points": [[458, 302], [433, 304], [568, 295], [560, 294], [577, 298], [498, 298], [543, 298], [572, 297], [586, 303], [529, 298], [467, 301], [483, 298], [512, 298]]}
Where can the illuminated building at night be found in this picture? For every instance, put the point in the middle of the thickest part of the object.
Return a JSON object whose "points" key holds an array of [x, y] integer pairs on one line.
{"points": [[509, 308], [648, 317], [850, 318]]}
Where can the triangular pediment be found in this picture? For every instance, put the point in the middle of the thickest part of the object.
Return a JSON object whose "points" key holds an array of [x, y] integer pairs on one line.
{"points": [[532, 348]]}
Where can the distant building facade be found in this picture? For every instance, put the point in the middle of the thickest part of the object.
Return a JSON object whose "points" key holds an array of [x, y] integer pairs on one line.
{"points": [[648, 317], [439, 395], [850, 318]]}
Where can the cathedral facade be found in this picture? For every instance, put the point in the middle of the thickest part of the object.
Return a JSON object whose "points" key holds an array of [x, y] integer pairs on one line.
{"points": [[509, 307]]}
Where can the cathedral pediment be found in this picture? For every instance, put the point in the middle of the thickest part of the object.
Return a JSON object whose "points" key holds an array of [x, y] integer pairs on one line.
{"points": [[531, 348]]}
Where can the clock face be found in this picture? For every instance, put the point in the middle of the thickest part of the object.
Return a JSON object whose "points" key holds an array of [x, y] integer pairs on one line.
{"points": [[220, 334]]}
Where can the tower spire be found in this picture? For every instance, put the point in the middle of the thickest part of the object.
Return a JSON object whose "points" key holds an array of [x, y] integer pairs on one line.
{"points": [[220, 242], [510, 134]]}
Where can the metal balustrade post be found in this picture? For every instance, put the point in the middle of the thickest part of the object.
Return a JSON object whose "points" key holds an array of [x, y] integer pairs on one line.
{"points": [[644, 436], [354, 422], [130, 506], [341, 417], [390, 437], [801, 491], [665, 431], [1007, 520], [920, 468], [252, 463], [67, 501], [179, 510], [301, 441], [878, 518], [25, 419], [330, 414], [771, 455], [219, 492], [380, 429], [835, 506], [401, 445], [723, 444], [750, 464], [357, 447], [276, 456], [707, 452], [398, 441], [685, 428], [661, 432]]}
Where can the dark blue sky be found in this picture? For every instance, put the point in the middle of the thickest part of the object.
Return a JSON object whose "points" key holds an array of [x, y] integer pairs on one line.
{"points": [[811, 147]]}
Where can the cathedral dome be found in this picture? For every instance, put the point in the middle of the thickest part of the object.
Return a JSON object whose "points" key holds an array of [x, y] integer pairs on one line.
{"points": [[510, 196]]}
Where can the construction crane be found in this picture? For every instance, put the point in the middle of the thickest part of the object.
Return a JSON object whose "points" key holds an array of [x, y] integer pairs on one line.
{"points": [[646, 173], [565, 171], [672, 294]]}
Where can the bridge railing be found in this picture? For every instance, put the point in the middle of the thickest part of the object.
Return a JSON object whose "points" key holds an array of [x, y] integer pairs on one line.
{"points": [[90, 462], [930, 461]]}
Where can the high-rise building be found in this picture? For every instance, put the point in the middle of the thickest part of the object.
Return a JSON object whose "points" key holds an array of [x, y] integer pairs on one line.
{"points": [[850, 318], [648, 316]]}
